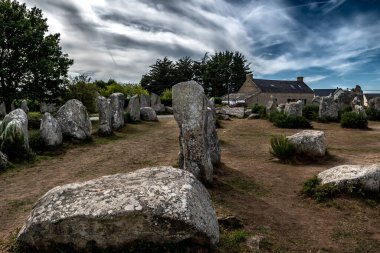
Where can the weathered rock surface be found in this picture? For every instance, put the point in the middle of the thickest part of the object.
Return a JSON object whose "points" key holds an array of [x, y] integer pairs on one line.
{"points": [[310, 143], [169, 109], [24, 106], [281, 108], [247, 112], [51, 108], [3, 110], [51, 131], [272, 105], [344, 99], [3, 161], [144, 100], [14, 136], [212, 134], [153, 205], [368, 176], [360, 110], [74, 120], [316, 100], [254, 116], [237, 112], [159, 108], [133, 108], [294, 109], [117, 110], [148, 114], [154, 99], [328, 108], [190, 112], [104, 109]]}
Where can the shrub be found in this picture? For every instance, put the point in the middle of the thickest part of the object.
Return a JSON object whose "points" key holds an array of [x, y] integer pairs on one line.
{"points": [[282, 148], [259, 109], [218, 100], [313, 188], [36, 142], [87, 93], [373, 114], [166, 97], [34, 115], [354, 120], [282, 120], [310, 112], [231, 240]]}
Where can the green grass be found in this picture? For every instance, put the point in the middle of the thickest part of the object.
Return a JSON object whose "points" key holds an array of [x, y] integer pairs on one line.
{"points": [[232, 241]]}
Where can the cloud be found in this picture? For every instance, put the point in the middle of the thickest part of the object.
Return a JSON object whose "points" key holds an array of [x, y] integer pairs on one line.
{"points": [[312, 79]]}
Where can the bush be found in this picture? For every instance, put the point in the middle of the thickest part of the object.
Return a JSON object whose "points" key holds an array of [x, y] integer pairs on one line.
{"points": [[87, 93], [310, 112], [259, 109], [312, 188], [36, 142], [373, 114], [354, 120], [282, 148], [282, 120], [34, 115], [218, 100], [166, 97]]}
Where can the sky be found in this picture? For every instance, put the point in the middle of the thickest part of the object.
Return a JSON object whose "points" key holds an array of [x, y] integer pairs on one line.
{"points": [[331, 43]]}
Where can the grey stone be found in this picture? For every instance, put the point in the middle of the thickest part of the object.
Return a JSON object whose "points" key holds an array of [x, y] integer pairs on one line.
{"points": [[104, 109], [376, 103], [74, 120], [344, 99], [368, 176], [247, 112], [24, 106], [310, 143], [294, 109], [212, 135], [148, 114], [328, 108], [14, 136], [316, 100], [157, 205], [254, 242], [360, 110], [144, 100], [3, 161], [3, 110], [117, 110], [159, 108], [281, 108], [169, 109], [222, 116], [272, 105], [50, 131], [237, 112], [254, 116], [51, 107], [133, 108], [190, 112], [154, 99]]}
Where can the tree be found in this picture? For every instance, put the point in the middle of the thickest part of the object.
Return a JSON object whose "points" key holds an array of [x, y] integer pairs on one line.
{"points": [[160, 77], [224, 73], [32, 64]]}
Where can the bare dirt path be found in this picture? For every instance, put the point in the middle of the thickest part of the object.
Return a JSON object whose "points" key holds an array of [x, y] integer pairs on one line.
{"points": [[249, 183]]}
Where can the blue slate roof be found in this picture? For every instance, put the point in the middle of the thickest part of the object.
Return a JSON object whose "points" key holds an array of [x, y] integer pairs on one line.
{"points": [[324, 92], [279, 86]]}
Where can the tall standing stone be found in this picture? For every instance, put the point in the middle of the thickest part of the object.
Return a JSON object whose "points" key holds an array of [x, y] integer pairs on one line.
{"points": [[117, 110], [104, 109], [154, 99], [14, 136], [50, 131], [51, 108], [328, 108], [24, 106], [3, 110], [144, 100], [74, 120], [3, 161], [190, 112], [272, 105], [294, 109], [133, 108], [212, 135]]}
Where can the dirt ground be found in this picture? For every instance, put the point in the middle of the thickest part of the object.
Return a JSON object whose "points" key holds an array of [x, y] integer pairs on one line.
{"points": [[249, 184]]}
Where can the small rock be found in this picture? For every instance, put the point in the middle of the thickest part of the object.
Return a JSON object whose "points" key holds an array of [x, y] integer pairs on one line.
{"points": [[237, 112], [169, 109], [253, 242], [148, 114], [254, 116]]}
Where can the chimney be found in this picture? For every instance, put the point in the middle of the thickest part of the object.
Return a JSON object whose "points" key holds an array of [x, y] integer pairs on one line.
{"points": [[249, 76], [300, 79]]}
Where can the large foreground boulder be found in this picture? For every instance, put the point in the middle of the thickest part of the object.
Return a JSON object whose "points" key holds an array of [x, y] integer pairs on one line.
{"points": [[117, 110], [310, 143], [133, 108], [190, 112], [51, 131], [74, 120], [344, 176], [14, 136], [161, 205], [148, 114], [104, 109]]}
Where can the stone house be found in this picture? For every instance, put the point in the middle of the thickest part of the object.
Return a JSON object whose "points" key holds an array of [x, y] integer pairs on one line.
{"points": [[258, 91], [369, 96]]}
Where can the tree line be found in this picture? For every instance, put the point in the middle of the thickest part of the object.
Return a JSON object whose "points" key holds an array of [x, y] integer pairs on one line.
{"points": [[219, 73]]}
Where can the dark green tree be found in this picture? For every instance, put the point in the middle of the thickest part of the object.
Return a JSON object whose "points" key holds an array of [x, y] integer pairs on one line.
{"points": [[224, 72], [32, 64], [160, 77], [184, 70]]}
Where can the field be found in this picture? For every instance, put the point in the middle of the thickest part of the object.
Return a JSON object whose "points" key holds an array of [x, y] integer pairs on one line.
{"points": [[249, 184]]}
